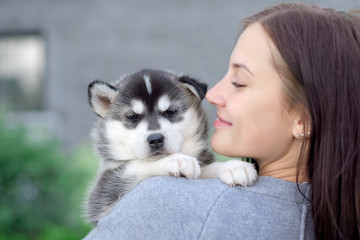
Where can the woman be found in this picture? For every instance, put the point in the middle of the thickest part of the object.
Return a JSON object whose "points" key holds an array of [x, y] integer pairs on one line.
{"points": [[316, 54], [291, 101]]}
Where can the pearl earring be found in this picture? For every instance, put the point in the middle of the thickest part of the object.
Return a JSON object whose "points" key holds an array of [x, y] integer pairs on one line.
{"points": [[302, 135]]}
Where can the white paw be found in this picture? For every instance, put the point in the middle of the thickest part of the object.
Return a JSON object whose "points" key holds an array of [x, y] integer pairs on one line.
{"points": [[179, 164], [236, 172]]}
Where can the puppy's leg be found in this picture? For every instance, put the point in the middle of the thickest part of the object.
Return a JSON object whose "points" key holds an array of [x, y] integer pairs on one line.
{"points": [[108, 188], [177, 164], [232, 172]]}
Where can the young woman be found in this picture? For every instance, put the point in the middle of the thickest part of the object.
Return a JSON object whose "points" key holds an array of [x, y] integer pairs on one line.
{"points": [[291, 101], [297, 109]]}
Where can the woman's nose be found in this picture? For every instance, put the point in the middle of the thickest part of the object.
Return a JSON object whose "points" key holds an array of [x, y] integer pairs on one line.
{"points": [[215, 95]]}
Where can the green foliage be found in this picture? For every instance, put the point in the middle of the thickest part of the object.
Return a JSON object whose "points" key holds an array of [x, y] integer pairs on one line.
{"points": [[41, 188]]}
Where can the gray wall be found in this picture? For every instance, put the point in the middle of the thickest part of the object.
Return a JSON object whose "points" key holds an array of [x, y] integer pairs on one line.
{"points": [[104, 39]]}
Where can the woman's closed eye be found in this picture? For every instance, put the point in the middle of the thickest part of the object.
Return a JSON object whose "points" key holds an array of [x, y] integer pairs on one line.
{"points": [[237, 85]]}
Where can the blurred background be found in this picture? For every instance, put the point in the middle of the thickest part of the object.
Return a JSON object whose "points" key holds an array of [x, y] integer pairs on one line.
{"points": [[51, 50]]}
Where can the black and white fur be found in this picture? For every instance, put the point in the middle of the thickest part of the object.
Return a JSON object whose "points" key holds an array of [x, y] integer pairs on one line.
{"points": [[150, 124]]}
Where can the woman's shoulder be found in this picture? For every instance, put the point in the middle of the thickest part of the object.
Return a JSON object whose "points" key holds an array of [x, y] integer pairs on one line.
{"points": [[212, 189], [164, 207]]}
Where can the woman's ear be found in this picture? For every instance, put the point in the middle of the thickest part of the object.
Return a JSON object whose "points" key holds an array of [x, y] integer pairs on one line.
{"points": [[101, 96], [302, 126]]}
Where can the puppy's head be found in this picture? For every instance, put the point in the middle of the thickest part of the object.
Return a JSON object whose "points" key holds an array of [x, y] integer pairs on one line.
{"points": [[147, 115]]}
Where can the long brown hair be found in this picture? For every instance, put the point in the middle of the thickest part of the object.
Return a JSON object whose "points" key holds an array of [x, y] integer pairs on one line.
{"points": [[321, 49]]}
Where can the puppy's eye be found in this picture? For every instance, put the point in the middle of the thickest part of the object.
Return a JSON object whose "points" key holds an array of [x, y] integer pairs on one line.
{"points": [[133, 117], [170, 113]]}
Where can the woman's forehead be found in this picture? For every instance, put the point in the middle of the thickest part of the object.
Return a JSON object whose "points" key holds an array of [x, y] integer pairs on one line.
{"points": [[254, 48]]}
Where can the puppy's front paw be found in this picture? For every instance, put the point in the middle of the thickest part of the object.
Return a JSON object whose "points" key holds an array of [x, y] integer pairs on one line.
{"points": [[183, 165], [236, 172]]}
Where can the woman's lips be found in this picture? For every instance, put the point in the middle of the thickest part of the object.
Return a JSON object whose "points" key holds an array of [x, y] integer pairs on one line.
{"points": [[219, 122]]}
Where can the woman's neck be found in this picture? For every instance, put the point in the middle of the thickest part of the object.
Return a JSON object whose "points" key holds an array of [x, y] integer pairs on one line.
{"points": [[285, 168], [288, 174]]}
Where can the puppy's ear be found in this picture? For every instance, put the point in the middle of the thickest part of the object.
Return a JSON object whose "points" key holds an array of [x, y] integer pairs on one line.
{"points": [[101, 96], [197, 88]]}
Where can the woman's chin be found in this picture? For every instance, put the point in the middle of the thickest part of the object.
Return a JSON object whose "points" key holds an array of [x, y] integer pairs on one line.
{"points": [[219, 145]]}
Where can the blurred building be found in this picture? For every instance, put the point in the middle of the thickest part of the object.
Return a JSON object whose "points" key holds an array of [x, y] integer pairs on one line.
{"points": [[51, 50]]}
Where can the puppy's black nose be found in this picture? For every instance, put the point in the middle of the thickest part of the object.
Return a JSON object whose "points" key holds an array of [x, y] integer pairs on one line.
{"points": [[156, 140]]}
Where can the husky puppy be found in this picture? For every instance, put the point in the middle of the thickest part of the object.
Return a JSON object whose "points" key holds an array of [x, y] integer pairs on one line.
{"points": [[150, 124]]}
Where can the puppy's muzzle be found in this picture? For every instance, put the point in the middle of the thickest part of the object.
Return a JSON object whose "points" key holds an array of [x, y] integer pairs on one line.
{"points": [[156, 141]]}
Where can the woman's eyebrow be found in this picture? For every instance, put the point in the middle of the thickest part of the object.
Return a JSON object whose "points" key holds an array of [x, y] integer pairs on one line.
{"points": [[243, 66]]}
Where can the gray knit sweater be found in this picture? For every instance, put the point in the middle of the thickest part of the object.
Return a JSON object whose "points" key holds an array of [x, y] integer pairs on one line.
{"points": [[178, 208]]}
